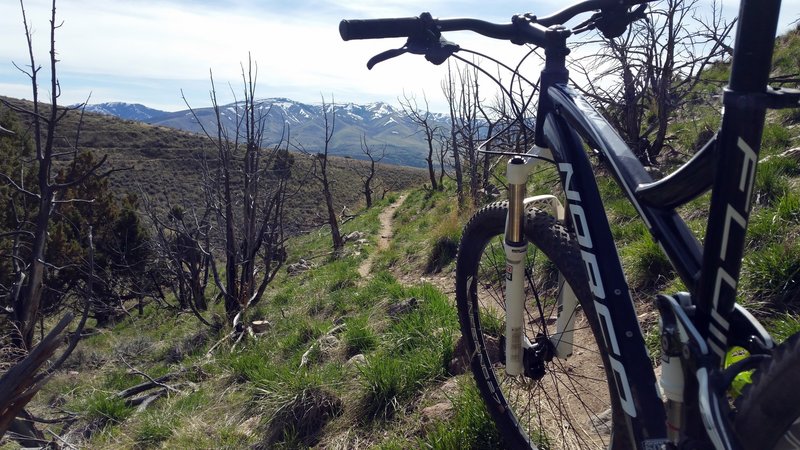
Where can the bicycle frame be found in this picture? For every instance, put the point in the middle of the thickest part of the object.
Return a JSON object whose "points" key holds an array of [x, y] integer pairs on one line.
{"points": [[697, 327], [704, 321]]}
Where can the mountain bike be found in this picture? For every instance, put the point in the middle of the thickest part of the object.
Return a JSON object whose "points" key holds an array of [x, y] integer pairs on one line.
{"points": [[553, 337]]}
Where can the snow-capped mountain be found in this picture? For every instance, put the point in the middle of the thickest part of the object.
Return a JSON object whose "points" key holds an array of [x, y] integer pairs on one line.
{"points": [[129, 111], [383, 125]]}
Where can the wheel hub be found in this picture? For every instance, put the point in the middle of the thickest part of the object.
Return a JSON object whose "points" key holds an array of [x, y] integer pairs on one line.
{"points": [[535, 357]]}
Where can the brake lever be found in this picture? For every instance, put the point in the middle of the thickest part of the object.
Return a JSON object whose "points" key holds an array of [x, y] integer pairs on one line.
{"points": [[612, 24], [587, 25], [383, 56], [435, 48], [638, 13]]}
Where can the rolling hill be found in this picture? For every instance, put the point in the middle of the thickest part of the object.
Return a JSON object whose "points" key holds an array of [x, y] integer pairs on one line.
{"points": [[382, 124], [166, 164]]}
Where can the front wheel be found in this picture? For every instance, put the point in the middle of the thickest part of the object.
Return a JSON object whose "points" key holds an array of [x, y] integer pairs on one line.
{"points": [[768, 414], [566, 403]]}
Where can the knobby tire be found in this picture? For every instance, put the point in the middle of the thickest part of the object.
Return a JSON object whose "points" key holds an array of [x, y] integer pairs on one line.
{"points": [[573, 406]]}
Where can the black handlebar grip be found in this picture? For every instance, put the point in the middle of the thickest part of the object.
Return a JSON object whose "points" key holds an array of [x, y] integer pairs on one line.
{"points": [[379, 28]]}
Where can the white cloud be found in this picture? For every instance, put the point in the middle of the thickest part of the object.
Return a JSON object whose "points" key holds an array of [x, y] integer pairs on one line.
{"points": [[148, 50], [178, 44]]}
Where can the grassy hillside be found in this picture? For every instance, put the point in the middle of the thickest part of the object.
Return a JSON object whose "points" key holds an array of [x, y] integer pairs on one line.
{"points": [[396, 394], [351, 362], [165, 164]]}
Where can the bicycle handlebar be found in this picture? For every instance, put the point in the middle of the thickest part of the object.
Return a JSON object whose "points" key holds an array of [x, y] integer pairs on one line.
{"points": [[533, 34], [379, 28], [411, 26], [563, 16]]}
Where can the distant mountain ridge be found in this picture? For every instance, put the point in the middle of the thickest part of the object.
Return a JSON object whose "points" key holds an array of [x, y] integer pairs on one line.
{"points": [[383, 125], [128, 111]]}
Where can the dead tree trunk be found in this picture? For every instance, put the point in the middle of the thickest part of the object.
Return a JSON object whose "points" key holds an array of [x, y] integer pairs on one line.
{"points": [[449, 90], [368, 174], [423, 120], [321, 173], [246, 191], [30, 276]]}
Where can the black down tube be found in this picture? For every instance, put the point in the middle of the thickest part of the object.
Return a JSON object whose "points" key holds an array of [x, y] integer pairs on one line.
{"points": [[635, 397]]}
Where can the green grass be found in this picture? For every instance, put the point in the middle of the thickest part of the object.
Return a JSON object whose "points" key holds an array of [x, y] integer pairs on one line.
{"points": [[154, 428], [786, 57], [492, 323], [337, 275], [192, 402], [252, 363], [416, 350], [286, 382], [647, 266], [763, 228], [782, 326], [788, 208], [359, 336], [388, 381], [652, 339], [445, 237], [119, 379], [471, 426], [771, 184], [105, 409], [776, 138], [772, 276]]}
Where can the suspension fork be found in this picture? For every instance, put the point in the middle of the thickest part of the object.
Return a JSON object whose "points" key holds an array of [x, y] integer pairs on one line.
{"points": [[516, 246]]}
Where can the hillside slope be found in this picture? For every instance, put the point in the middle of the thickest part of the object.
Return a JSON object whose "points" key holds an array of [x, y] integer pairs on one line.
{"points": [[350, 361], [347, 362], [166, 165], [382, 124]]}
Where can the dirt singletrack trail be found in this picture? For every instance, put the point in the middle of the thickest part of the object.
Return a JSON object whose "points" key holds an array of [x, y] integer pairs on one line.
{"points": [[385, 234]]}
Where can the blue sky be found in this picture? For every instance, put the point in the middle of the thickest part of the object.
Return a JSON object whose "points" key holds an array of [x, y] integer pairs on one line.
{"points": [[146, 51]]}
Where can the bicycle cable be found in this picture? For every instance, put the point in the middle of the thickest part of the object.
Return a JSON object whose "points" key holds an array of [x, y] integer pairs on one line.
{"points": [[519, 113]]}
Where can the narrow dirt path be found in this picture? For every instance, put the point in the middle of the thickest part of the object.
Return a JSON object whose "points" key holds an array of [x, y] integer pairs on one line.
{"points": [[385, 234]]}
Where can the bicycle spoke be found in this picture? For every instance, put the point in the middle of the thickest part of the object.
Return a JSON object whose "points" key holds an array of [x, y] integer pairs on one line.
{"points": [[558, 402]]}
